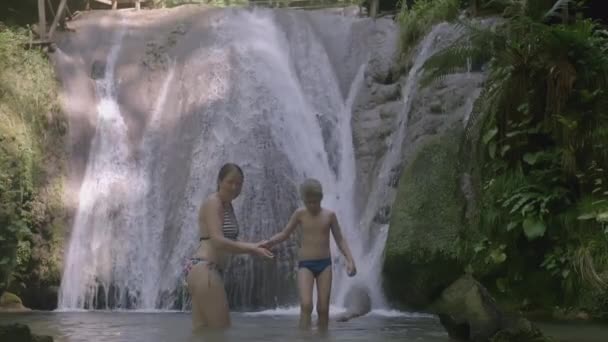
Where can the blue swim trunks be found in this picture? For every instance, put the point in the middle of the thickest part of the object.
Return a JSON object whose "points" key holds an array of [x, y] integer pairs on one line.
{"points": [[315, 266]]}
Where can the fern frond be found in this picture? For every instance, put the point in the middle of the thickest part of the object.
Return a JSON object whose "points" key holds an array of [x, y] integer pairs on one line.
{"points": [[474, 47], [557, 9], [585, 266], [560, 84]]}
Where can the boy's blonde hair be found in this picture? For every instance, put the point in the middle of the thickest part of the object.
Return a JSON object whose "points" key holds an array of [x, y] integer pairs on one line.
{"points": [[311, 187]]}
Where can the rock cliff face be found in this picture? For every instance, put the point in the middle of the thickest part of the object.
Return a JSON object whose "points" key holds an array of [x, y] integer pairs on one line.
{"points": [[433, 213], [407, 139]]}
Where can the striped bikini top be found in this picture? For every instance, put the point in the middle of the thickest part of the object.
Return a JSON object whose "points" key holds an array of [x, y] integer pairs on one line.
{"points": [[230, 227]]}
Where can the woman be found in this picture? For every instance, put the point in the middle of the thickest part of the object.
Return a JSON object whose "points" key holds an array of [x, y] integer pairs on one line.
{"points": [[219, 231]]}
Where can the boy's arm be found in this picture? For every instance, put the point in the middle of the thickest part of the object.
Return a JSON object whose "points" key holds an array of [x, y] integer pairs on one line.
{"points": [[284, 234], [340, 240]]}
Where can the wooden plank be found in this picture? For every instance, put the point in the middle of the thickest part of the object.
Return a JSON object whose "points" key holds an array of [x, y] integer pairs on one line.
{"points": [[137, 5], [45, 45], [111, 2], [58, 17], [114, 4], [373, 10], [48, 3], [42, 19]]}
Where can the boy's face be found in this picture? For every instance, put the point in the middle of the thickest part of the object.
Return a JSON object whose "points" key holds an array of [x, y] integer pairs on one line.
{"points": [[312, 203]]}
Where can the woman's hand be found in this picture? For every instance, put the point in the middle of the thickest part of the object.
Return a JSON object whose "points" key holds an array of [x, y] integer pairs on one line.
{"points": [[261, 251]]}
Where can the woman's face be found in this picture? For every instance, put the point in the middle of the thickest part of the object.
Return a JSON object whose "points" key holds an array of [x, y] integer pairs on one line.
{"points": [[232, 184]]}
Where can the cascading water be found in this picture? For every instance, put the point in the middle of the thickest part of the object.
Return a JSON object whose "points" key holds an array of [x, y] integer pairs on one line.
{"points": [[89, 257], [265, 89], [383, 190]]}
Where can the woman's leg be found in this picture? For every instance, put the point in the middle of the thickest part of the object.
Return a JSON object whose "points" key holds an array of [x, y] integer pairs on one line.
{"points": [[216, 308], [197, 280], [305, 284], [209, 303]]}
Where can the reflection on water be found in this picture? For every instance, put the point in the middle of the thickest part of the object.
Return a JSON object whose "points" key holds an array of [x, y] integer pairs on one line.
{"points": [[575, 331], [303, 4], [274, 325], [176, 327]]}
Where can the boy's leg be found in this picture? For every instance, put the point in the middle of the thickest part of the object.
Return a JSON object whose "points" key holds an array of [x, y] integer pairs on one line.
{"points": [[305, 284], [323, 295]]}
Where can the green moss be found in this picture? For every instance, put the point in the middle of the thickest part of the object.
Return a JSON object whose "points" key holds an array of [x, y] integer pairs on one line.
{"points": [[416, 21], [8, 299], [422, 246]]}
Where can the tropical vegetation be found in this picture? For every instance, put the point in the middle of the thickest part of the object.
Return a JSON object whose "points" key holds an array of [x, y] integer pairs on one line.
{"points": [[539, 142]]}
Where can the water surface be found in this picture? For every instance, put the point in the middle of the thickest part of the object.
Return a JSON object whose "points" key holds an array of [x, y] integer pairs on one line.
{"points": [[279, 325], [274, 325]]}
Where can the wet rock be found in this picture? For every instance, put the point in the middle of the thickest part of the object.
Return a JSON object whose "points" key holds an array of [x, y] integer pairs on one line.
{"points": [[357, 301], [98, 70], [469, 313], [40, 298], [383, 215], [20, 333], [426, 219], [10, 302], [437, 107]]}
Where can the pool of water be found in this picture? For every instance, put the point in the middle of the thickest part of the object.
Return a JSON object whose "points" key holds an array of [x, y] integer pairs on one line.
{"points": [[275, 325]]}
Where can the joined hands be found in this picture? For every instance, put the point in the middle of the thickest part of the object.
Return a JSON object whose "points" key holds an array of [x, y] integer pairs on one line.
{"points": [[261, 249]]}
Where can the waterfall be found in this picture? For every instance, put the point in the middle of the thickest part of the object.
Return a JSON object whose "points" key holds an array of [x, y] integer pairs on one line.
{"points": [[266, 89], [89, 257], [370, 254]]}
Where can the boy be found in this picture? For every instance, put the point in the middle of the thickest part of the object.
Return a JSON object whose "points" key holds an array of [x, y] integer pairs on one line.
{"points": [[314, 254]]}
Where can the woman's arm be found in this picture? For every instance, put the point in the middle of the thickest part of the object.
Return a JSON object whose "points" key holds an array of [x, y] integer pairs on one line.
{"points": [[211, 216]]}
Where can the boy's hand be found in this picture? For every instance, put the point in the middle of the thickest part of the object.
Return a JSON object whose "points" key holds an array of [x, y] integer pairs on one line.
{"points": [[263, 244], [351, 270]]}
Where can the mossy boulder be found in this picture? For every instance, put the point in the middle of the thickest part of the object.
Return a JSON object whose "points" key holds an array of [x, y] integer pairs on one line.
{"points": [[426, 221], [8, 298], [469, 313], [11, 302]]}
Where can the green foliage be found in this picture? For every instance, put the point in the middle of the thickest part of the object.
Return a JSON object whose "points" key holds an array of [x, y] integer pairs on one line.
{"points": [[416, 21], [30, 138], [24, 12], [543, 122]]}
